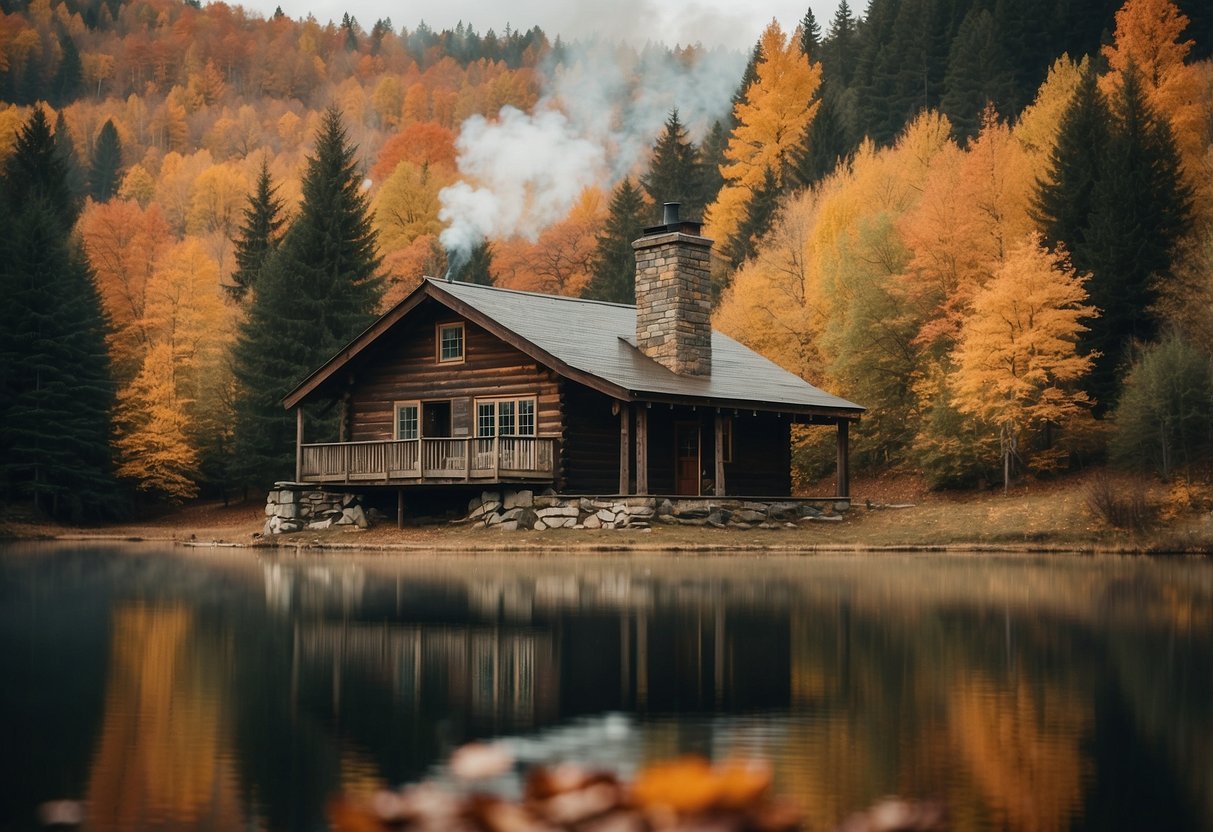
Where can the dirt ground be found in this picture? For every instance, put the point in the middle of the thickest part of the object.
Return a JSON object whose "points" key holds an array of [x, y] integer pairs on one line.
{"points": [[893, 511]]}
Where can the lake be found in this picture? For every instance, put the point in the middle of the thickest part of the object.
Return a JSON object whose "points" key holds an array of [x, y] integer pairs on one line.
{"points": [[225, 689]]}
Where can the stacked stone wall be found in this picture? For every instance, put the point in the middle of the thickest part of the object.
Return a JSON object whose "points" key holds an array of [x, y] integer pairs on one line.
{"points": [[674, 302], [292, 507], [524, 510]]}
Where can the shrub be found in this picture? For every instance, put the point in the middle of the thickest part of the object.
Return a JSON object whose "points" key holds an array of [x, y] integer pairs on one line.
{"points": [[1121, 504]]}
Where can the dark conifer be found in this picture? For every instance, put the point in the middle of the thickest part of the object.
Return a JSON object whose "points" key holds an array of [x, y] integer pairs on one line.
{"points": [[1063, 203], [56, 395], [476, 266], [259, 234], [711, 157], [674, 173], [1141, 210], [810, 35], [76, 184], [105, 174], [979, 73], [314, 294], [839, 54], [69, 77], [824, 147], [614, 268], [760, 213]]}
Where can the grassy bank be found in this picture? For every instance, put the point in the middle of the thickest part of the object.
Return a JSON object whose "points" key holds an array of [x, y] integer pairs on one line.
{"points": [[888, 512]]}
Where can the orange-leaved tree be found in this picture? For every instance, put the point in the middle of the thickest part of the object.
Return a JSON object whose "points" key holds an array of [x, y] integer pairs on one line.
{"points": [[772, 119], [1017, 363]]}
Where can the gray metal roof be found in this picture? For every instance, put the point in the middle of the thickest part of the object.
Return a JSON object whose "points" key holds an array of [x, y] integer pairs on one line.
{"points": [[599, 339]]}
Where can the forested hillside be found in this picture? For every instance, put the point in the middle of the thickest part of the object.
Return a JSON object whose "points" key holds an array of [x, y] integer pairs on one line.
{"points": [[988, 222]]}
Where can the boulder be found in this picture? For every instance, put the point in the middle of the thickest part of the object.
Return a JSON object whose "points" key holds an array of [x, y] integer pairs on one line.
{"points": [[507, 525], [511, 514], [528, 519], [286, 496], [270, 508], [539, 525], [749, 516], [357, 516], [691, 508], [558, 511], [664, 508], [605, 516], [592, 522], [783, 511], [490, 497], [320, 524], [288, 511], [519, 499]]}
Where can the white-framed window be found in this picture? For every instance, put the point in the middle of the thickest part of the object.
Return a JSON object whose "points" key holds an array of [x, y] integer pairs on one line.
{"points": [[407, 420], [505, 417], [450, 342]]}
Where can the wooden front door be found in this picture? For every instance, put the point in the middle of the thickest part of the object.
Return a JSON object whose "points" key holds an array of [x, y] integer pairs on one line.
{"points": [[686, 458]]}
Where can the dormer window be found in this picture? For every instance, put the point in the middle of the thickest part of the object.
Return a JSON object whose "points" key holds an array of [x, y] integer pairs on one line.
{"points": [[450, 343]]}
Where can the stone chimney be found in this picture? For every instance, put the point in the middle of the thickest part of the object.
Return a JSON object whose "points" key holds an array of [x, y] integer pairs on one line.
{"points": [[674, 295]]}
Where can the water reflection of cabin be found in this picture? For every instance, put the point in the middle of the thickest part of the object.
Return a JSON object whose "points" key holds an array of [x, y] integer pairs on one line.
{"points": [[460, 383]]}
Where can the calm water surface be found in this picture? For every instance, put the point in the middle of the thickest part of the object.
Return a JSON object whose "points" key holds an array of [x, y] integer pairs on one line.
{"points": [[191, 689]]}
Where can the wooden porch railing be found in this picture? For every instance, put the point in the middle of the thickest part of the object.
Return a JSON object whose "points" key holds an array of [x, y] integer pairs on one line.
{"points": [[447, 460]]}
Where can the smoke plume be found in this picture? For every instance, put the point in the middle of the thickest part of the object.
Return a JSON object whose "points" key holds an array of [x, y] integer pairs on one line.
{"points": [[603, 107]]}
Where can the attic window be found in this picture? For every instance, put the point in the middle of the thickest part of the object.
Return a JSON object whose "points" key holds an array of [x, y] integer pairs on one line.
{"points": [[450, 342]]}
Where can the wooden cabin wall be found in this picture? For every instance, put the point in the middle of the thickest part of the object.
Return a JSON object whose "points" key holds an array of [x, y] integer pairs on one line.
{"points": [[762, 456], [589, 450], [403, 366]]}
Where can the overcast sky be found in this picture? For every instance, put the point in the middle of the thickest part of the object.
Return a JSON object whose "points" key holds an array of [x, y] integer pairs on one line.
{"points": [[711, 22]]}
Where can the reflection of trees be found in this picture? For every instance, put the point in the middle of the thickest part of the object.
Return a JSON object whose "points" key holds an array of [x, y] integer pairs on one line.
{"points": [[1022, 746], [163, 760]]}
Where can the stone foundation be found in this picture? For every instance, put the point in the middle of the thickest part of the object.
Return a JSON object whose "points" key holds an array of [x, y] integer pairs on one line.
{"points": [[513, 510], [292, 507]]}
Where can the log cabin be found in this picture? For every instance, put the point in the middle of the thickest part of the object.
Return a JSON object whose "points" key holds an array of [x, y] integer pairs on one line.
{"points": [[468, 384]]}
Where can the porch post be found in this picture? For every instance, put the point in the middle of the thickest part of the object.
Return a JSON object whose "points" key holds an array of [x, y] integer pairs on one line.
{"points": [[400, 508], [625, 450], [642, 449], [299, 443], [718, 489], [844, 470]]}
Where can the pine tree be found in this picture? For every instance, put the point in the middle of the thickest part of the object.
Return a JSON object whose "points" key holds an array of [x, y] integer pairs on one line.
{"points": [[979, 73], [1141, 212], [56, 395], [760, 213], [106, 172], [259, 234], [825, 146], [674, 173], [711, 157], [476, 267], [614, 268], [1063, 203], [76, 184], [810, 35], [839, 56], [313, 295], [69, 77], [36, 171]]}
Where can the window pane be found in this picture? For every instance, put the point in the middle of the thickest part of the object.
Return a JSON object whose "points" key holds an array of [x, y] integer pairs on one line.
{"points": [[406, 421], [451, 339], [505, 418], [526, 418], [485, 419]]}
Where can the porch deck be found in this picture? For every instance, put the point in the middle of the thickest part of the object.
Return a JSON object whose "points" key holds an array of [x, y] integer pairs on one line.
{"points": [[487, 460]]}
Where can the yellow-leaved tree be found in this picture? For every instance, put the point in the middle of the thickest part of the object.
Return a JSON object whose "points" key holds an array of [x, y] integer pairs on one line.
{"points": [[154, 446], [1017, 363], [772, 119]]}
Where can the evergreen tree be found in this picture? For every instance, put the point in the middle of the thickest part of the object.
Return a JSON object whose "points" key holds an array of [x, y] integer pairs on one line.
{"points": [[839, 57], [56, 395], [1141, 211], [105, 174], [711, 157], [476, 266], [76, 184], [69, 77], [979, 73], [825, 146], [259, 235], [614, 267], [760, 213], [36, 171], [674, 173], [810, 35], [1063, 203], [317, 291]]}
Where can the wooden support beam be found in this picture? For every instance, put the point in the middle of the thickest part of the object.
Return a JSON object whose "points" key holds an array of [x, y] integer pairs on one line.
{"points": [[642, 450], [625, 447], [844, 466], [718, 488], [400, 508], [298, 444]]}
